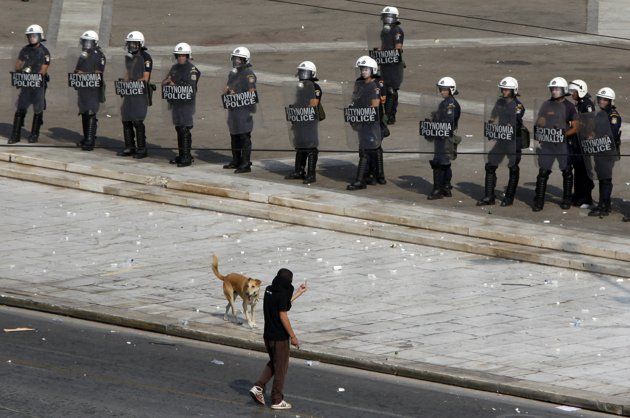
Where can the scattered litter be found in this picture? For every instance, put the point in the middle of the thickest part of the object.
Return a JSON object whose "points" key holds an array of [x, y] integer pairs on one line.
{"points": [[217, 362], [311, 363], [58, 319], [576, 322], [619, 280], [546, 221], [517, 410], [128, 342], [371, 276], [341, 390], [567, 408], [337, 268], [19, 329]]}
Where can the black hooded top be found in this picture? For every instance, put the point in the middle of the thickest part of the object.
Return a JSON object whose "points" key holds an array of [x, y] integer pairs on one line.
{"points": [[277, 299]]}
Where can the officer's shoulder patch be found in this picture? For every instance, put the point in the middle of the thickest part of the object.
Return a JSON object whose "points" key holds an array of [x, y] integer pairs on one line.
{"points": [[193, 76], [251, 78], [450, 106], [614, 119], [589, 108], [519, 106], [318, 93]]}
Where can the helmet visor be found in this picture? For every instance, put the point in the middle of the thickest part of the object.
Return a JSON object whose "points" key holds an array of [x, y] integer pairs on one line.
{"points": [[34, 38], [304, 74], [87, 44], [133, 46], [388, 18]]}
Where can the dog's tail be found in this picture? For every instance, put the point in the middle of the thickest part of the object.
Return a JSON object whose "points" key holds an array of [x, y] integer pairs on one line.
{"points": [[215, 267]]}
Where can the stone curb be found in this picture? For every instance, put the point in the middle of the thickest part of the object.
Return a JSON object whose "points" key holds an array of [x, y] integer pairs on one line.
{"points": [[422, 371], [153, 190]]}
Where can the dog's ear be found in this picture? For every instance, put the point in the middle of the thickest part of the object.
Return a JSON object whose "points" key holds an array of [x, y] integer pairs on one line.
{"points": [[258, 282]]}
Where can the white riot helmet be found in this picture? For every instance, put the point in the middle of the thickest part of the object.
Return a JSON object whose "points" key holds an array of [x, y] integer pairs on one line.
{"points": [[447, 82], [89, 39], [34, 30], [389, 15], [560, 83], [606, 93], [306, 70], [367, 62], [242, 53], [509, 83], [134, 41], [579, 86], [182, 48]]}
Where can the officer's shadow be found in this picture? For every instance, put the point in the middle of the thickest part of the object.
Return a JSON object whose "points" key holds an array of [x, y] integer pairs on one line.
{"points": [[6, 129], [68, 137], [334, 169], [415, 184], [210, 156]]}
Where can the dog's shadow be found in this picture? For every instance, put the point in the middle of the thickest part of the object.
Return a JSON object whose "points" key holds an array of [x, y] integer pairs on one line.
{"points": [[236, 321]]}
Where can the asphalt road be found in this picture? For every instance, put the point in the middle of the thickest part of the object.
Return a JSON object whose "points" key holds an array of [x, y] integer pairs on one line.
{"points": [[73, 368]]}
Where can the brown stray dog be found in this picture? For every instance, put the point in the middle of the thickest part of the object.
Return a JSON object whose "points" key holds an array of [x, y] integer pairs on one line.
{"points": [[237, 284]]}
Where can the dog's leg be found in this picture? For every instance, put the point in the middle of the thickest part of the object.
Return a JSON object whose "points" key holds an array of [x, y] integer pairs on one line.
{"points": [[253, 305], [246, 312], [232, 300], [227, 309]]}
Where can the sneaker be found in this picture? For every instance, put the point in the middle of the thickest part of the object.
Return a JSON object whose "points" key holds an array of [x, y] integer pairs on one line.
{"points": [[257, 395], [282, 405]]}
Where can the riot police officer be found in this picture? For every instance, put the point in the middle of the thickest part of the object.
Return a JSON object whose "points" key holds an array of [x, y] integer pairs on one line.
{"points": [[508, 111], [448, 112], [139, 65], [604, 163], [34, 58], [91, 61], [185, 76], [307, 140], [392, 38], [582, 184], [556, 120], [366, 95], [241, 90]]}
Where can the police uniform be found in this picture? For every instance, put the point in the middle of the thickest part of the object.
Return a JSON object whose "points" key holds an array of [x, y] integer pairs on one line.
{"points": [[444, 149], [605, 171], [505, 112], [306, 137], [89, 98], [240, 120], [134, 108], [369, 133], [34, 57], [582, 183], [392, 74], [549, 152], [376, 170], [183, 111]]}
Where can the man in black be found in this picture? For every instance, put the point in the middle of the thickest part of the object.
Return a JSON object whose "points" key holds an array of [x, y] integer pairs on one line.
{"points": [[278, 332]]}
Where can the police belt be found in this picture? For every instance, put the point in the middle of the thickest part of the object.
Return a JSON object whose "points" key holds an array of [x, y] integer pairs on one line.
{"points": [[496, 132], [386, 57], [550, 135], [178, 93], [85, 80], [431, 130], [31, 80], [236, 100], [130, 88]]}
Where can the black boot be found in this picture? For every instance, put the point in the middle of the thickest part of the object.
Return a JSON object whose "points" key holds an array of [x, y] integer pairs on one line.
{"points": [[359, 182], [180, 145], [311, 166], [245, 165], [18, 122], [541, 189], [391, 101], [603, 207], [186, 158], [84, 124], [438, 182], [38, 121], [567, 188], [141, 140], [300, 164], [90, 137], [236, 153], [490, 185], [380, 167], [129, 138], [510, 191]]}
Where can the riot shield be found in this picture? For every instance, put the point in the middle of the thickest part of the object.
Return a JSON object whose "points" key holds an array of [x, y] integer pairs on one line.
{"points": [[436, 129], [240, 100], [27, 85], [302, 118], [500, 130], [133, 94], [598, 145], [179, 94], [381, 42], [85, 79], [550, 125], [363, 125]]}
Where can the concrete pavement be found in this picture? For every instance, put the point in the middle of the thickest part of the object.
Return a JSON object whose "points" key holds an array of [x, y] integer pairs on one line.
{"points": [[465, 319]]}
